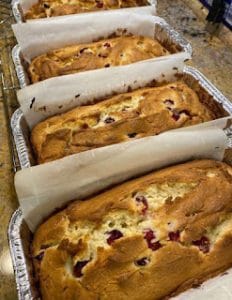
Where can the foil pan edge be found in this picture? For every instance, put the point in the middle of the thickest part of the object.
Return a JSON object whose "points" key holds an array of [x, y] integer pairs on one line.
{"points": [[18, 257], [20, 264], [19, 139], [16, 11], [19, 68], [177, 37], [210, 87]]}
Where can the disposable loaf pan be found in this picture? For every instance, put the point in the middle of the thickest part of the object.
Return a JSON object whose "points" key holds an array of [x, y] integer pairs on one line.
{"points": [[191, 76], [19, 16], [163, 32], [20, 239]]}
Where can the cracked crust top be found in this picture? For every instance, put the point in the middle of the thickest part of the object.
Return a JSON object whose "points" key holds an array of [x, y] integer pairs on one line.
{"points": [[102, 54], [53, 8], [144, 112], [145, 239]]}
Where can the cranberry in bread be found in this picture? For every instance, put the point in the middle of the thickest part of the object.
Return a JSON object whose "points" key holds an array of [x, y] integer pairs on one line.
{"points": [[148, 238], [125, 117], [105, 53]]}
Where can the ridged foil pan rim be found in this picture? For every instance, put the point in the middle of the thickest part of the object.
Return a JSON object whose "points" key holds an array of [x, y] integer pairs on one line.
{"points": [[18, 14], [24, 287], [20, 142], [170, 32], [209, 86], [16, 11], [20, 72], [18, 257]]}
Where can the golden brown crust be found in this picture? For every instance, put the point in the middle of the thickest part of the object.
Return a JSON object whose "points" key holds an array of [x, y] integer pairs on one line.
{"points": [[102, 54], [124, 117], [178, 236], [53, 8]]}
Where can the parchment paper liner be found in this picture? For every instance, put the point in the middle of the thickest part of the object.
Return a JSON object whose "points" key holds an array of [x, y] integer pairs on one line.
{"points": [[19, 7], [39, 37]]}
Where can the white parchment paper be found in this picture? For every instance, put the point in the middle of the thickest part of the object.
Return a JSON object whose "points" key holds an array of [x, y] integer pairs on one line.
{"points": [[151, 9], [39, 37], [42, 188], [217, 288], [59, 94]]}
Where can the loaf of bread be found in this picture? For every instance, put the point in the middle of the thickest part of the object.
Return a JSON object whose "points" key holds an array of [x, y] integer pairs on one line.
{"points": [[149, 238], [53, 8], [133, 115], [102, 54]]}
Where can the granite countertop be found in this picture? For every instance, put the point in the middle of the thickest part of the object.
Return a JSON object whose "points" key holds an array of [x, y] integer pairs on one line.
{"points": [[212, 56]]}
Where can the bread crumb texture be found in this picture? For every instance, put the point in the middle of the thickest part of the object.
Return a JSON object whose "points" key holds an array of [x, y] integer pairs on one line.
{"points": [[53, 8], [146, 239], [105, 53], [121, 118]]}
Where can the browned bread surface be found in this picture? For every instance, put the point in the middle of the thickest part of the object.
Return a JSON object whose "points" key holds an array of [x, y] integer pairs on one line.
{"points": [[102, 54], [145, 239], [144, 112], [53, 8]]}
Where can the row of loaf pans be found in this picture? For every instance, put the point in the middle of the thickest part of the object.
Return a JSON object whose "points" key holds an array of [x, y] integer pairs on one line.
{"points": [[18, 5], [18, 232]]}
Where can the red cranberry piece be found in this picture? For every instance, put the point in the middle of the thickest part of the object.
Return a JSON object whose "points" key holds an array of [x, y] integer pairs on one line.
{"points": [[107, 45], [175, 115], [109, 120], [155, 246], [40, 256], [77, 269], [132, 135], [186, 112], [174, 236], [102, 55], [203, 244], [143, 200], [142, 262], [149, 237], [99, 4], [84, 126], [114, 235], [169, 102]]}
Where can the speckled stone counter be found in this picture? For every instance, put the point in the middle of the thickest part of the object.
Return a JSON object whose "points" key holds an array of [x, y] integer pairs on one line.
{"points": [[211, 56], [8, 203]]}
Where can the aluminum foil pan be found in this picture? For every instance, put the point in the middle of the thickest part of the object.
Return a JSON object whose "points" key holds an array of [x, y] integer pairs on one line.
{"points": [[164, 33], [20, 67], [19, 241], [18, 12], [191, 76]]}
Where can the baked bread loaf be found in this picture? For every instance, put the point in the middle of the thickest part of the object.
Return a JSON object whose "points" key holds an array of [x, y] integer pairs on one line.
{"points": [[144, 112], [102, 54], [145, 239], [53, 8]]}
